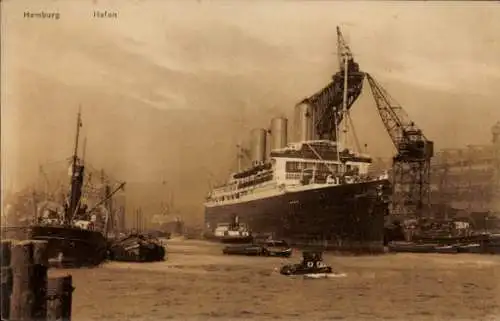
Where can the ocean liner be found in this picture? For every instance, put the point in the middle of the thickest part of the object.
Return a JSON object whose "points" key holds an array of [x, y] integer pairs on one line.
{"points": [[313, 190]]}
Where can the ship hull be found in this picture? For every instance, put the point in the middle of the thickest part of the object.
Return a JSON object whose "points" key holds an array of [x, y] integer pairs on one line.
{"points": [[236, 239], [347, 217], [75, 247]]}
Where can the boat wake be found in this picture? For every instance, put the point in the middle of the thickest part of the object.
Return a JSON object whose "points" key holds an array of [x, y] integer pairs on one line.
{"points": [[324, 275]]}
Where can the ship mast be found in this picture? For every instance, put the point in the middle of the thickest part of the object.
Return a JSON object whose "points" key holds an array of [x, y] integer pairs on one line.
{"points": [[344, 56], [346, 64], [239, 156], [344, 105], [77, 137], [76, 176]]}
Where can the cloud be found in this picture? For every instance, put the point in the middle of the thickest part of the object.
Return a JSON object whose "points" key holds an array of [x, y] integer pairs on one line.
{"points": [[171, 86], [455, 75]]}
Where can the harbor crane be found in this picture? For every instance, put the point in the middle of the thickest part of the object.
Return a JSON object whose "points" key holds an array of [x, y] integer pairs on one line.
{"points": [[411, 164]]}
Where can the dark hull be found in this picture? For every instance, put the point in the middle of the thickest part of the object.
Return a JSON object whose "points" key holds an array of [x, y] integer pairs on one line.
{"points": [[347, 218], [78, 247], [445, 240], [236, 239], [137, 248], [485, 244], [410, 247], [256, 250]]}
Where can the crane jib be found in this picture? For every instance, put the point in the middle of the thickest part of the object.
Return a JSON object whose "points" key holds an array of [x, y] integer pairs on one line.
{"points": [[327, 103], [411, 164]]}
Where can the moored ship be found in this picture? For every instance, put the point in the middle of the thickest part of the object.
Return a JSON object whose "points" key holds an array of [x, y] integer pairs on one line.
{"points": [[76, 234], [313, 190]]}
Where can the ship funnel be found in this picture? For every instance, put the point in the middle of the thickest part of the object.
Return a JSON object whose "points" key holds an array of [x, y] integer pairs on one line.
{"points": [[304, 122], [258, 145], [279, 132]]}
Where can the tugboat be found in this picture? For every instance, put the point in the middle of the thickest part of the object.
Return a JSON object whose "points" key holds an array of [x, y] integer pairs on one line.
{"points": [[234, 233], [312, 263]]}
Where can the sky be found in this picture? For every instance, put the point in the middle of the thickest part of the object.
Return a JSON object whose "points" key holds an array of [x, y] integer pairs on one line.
{"points": [[168, 88]]}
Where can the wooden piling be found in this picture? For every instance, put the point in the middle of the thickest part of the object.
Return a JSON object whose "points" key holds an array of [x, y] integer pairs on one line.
{"points": [[22, 296], [5, 253], [60, 298], [26, 290], [6, 276], [41, 265], [29, 266]]}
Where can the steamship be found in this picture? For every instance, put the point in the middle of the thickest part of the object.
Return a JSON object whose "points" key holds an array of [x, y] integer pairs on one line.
{"points": [[311, 191], [76, 236]]}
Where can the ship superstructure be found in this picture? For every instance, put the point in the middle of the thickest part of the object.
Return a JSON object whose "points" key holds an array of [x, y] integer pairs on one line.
{"points": [[296, 167]]}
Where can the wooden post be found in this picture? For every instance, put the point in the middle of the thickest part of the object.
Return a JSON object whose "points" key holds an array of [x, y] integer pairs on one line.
{"points": [[22, 288], [5, 252], [60, 291], [29, 269], [6, 276], [41, 265]]}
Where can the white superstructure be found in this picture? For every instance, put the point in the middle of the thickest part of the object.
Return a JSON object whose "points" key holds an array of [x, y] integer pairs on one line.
{"points": [[294, 168]]}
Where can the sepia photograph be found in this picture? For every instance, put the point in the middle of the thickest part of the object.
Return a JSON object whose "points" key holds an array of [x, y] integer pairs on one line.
{"points": [[250, 160]]}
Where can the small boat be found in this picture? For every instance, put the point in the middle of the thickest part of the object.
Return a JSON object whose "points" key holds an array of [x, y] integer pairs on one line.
{"points": [[411, 247], [312, 263], [451, 249], [266, 248], [447, 240], [470, 248], [238, 237], [137, 248], [234, 232], [492, 246]]}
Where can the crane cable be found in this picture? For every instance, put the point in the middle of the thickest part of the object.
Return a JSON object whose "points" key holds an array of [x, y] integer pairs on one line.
{"points": [[355, 136]]}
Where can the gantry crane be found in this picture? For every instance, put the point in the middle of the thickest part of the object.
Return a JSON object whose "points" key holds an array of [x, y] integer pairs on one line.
{"points": [[411, 164]]}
